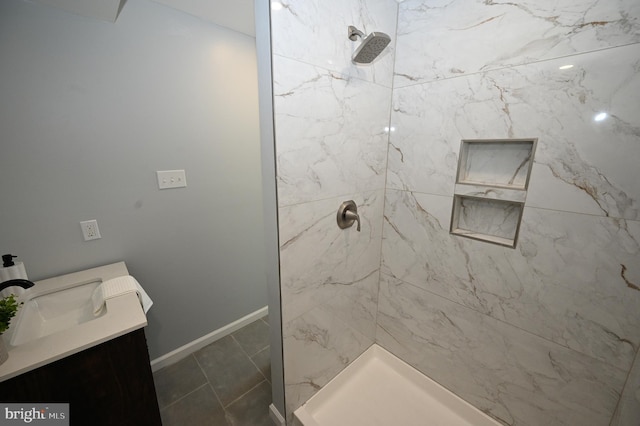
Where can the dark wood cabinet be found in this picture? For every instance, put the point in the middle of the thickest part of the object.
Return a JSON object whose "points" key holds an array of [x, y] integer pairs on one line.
{"points": [[107, 385]]}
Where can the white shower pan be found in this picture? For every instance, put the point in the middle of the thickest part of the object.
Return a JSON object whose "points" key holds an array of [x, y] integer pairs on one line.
{"points": [[379, 389]]}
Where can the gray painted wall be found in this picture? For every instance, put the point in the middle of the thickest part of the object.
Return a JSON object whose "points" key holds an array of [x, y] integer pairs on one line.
{"points": [[89, 110]]}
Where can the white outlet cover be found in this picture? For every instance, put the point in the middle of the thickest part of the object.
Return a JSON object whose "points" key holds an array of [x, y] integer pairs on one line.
{"points": [[168, 179], [90, 230]]}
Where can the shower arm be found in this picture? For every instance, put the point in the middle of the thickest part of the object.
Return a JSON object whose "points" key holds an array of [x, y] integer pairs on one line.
{"points": [[354, 33]]}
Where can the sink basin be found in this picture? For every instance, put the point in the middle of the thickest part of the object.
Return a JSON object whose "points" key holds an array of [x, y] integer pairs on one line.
{"points": [[49, 312], [57, 319]]}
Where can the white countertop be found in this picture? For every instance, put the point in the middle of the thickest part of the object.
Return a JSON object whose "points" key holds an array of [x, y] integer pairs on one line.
{"points": [[123, 315]]}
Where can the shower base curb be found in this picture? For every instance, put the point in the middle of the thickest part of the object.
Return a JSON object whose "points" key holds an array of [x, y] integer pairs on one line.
{"points": [[380, 389]]}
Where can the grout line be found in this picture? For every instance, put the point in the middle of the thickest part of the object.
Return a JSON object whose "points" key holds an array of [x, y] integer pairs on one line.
{"points": [[332, 72], [208, 381], [258, 351], [256, 365], [623, 390], [488, 69], [243, 395], [186, 395], [333, 197], [251, 359], [524, 330], [241, 347], [527, 206], [386, 177]]}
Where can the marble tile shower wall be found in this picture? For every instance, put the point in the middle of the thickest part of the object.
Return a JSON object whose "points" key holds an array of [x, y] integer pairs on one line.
{"points": [[545, 333], [331, 146]]}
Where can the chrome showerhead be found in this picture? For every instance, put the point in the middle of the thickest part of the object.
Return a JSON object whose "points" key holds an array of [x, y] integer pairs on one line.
{"points": [[371, 46]]}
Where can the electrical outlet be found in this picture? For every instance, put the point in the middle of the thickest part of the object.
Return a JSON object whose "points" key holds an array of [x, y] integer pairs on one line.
{"points": [[168, 179], [90, 230]]}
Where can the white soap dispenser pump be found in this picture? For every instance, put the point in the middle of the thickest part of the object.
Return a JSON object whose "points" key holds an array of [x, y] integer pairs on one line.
{"points": [[12, 270]]}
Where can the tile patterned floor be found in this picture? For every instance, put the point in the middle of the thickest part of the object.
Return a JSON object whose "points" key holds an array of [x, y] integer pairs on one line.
{"points": [[227, 383]]}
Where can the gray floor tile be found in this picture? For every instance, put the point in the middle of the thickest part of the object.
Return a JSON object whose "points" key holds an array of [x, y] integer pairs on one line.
{"points": [[253, 337], [252, 409], [177, 380], [229, 370], [190, 397], [263, 360], [199, 408]]}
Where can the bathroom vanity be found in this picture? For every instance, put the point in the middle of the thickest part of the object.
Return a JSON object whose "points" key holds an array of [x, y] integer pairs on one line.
{"points": [[99, 365]]}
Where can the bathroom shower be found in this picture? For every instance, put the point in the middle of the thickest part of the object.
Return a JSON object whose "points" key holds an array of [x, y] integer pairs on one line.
{"points": [[371, 46]]}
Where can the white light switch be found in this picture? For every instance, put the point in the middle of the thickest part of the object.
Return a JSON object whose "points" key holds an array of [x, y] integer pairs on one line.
{"points": [[171, 179]]}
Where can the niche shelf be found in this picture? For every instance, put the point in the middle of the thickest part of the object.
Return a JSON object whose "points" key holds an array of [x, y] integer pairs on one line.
{"points": [[494, 221], [491, 189]]}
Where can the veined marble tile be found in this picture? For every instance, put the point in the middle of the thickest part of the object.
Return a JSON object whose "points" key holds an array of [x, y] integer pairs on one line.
{"points": [[628, 411], [581, 165], [417, 246], [320, 261], [441, 39], [573, 279], [548, 190], [315, 32], [331, 137], [357, 305], [511, 375], [492, 193], [317, 346]]}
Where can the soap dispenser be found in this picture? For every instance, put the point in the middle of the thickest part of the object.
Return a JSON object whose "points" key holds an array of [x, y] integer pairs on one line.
{"points": [[12, 270]]}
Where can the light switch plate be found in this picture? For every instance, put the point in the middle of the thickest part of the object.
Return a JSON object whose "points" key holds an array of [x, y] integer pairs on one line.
{"points": [[168, 179]]}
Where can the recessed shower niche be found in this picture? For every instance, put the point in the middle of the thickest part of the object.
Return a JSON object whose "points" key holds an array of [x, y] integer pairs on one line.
{"points": [[491, 189]]}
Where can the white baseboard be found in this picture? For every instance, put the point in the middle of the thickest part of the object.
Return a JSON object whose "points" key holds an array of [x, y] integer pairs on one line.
{"points": [[186, 350], [275, 415]]}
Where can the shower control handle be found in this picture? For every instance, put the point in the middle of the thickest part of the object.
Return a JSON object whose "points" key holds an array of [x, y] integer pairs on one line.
{"points": [[347, 214], [351, 216]]}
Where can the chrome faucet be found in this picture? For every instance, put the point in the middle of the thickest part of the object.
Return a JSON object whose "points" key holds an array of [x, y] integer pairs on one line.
{"points": [[19, 282]]}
